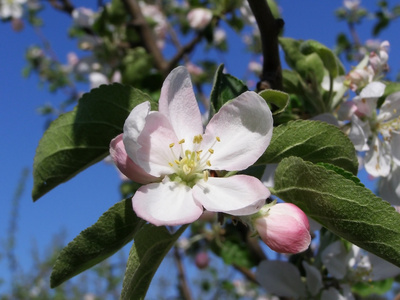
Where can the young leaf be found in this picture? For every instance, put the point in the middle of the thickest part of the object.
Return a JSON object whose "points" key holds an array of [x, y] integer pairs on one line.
{"points": [[80, 138], [277, 98], [314, 141], [344, 207], [225, 88], [150, 247], [114, 229], [331, 63]]}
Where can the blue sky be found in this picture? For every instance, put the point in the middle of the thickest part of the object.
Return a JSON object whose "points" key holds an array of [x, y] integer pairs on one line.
{"points": [[75, 205]]}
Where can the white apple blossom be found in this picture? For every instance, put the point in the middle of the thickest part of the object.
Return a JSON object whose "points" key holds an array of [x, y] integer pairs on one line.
{"points": [[179, 162], [83, 17], [199, 18], [377, 132], [11, 9]]}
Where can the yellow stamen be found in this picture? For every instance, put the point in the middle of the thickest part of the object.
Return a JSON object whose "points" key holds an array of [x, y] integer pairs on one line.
{"points": [[217, 138], [171, 164], [205, 175], [171, 145], [208, 163], [181, 141], [197, 139], [211, 151], [177, 161]]}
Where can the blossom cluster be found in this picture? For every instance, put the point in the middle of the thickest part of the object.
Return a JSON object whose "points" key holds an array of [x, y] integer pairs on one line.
{"points": [[182, 166]]}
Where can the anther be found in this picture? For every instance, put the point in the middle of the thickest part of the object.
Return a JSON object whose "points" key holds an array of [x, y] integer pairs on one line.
{"points": [[217, 138], [211, 151], [171, 145], [181, 141], [208, 163], [205, 175], [177, 162], [171, 164]]}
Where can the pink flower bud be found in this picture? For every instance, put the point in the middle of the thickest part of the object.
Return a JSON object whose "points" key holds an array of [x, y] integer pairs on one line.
{"points": [[199, 18], [284, 228], [202, 259]]}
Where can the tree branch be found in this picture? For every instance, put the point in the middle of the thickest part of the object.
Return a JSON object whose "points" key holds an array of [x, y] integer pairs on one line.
{"points": [[146, 34], [184, 50], [269, 27], [183, 285]]}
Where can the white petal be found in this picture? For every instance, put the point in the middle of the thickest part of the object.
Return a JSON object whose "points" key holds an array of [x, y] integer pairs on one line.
{"points": [[178, 103], [166, 203], [378, 158], [244, 127], [389, 187], [269, 174], [280, 278], [374, 89], [236, 195], [314, 279], [395, 146], [155, 154], [382, 269], [332, 294], [335, 259], [133, 127], [390, 109], [359, 133]]}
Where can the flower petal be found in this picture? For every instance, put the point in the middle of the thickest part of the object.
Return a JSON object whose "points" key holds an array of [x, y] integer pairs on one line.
{"points": [[280, 278], [126, 165], [166, 203], [178, 103], [236, 195], [378, 158], [244, 127], [155, 153], [390, 109], [374, 89], [358, 134], [133, 127]]}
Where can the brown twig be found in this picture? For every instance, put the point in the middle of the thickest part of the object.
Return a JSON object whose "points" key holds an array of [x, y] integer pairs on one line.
{"points": [[183, 285], [269, 27], [146, 33], [185, 49]]}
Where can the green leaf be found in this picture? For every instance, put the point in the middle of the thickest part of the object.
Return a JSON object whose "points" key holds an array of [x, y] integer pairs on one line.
{"points": [[277, 98], [314, 141], [81, 138], [329, 59], [347, 209], [114, 229], [365, 289], [150, 247], [225, 88]]}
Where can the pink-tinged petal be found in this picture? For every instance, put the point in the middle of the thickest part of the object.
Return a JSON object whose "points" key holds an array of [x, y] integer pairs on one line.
{"points": [[236, 195], [244, 127], [178, 103], [133, 127], [285, 228], [166, 203], [155, 153], [378, 158], [126, 165]]}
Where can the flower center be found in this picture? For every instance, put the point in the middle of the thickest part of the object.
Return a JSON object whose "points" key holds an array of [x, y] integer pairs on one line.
{"points": [[192, 165]]}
